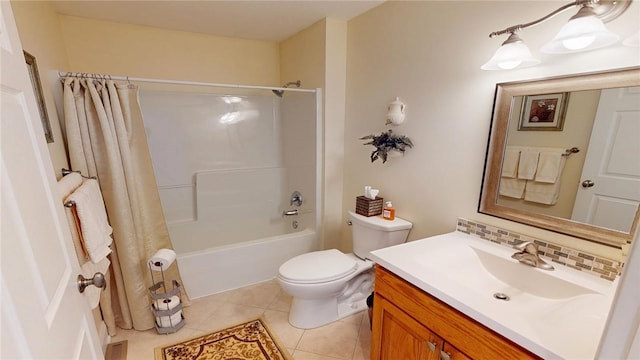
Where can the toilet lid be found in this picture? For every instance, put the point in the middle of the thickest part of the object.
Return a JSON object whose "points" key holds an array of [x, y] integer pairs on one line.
{"points": [[318, 266]]}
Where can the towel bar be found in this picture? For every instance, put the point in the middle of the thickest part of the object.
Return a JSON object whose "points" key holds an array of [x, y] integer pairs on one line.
{"points": [[573, 150], [66, 172]]}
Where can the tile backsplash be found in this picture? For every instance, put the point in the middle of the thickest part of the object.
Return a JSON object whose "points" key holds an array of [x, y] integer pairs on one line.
{"points": [[579, 260]]}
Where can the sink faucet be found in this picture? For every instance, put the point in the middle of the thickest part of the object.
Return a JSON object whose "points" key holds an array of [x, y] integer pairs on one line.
{"points": [[528, 255]]}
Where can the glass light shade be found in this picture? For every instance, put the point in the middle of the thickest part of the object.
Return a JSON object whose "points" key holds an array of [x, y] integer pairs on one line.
{"points": [[511, 55], [581, 33]]}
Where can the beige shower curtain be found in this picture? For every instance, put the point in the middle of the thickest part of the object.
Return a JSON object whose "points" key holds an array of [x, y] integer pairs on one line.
{"points": [[106, 139]]}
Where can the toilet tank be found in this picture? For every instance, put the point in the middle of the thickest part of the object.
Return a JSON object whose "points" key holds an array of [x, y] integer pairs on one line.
{"points": [[374, 232]]}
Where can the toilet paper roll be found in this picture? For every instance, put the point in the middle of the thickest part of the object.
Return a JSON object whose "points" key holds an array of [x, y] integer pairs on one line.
{"points": [[162, 259], [169, 321], [167, 304]]}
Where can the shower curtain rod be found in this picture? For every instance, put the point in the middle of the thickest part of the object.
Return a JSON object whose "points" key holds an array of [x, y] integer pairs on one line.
{"points": [[175, 82]]}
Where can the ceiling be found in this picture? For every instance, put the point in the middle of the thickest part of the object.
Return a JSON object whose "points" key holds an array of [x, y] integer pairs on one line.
{"points": [[246, 19]]}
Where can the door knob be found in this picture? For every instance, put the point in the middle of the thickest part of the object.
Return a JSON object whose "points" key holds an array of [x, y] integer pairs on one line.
{"points": [[97, 280], [587, 183]]}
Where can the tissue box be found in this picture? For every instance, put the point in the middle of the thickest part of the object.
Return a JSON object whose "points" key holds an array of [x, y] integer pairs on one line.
{"points": [[369, 207]]}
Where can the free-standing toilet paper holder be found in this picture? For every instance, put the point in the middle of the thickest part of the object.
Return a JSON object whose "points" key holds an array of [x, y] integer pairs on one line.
{"points": [[160, 295]]}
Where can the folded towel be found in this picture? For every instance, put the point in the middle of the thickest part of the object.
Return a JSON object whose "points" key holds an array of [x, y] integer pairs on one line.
{"points": [[510, 162], [68, 184], [543, 193], [528, 164], [512, 187], [93, 222], [550, 166]]}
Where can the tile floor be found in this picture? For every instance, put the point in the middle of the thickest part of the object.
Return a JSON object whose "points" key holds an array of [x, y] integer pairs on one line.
{"points": [[348, 338]]}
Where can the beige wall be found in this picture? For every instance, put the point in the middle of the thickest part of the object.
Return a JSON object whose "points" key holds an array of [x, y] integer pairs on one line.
{"points": [[140, 51], [41, 36], [429, 54], [317, 57], [334, 123]]}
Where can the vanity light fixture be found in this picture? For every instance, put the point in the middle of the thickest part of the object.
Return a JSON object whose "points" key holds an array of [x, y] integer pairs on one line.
{"points": [[512, 54], [585, 31]]}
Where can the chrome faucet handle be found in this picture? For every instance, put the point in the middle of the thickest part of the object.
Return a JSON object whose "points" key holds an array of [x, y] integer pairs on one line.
{"points": [[528, 247], [528, 254], [296, 199]]}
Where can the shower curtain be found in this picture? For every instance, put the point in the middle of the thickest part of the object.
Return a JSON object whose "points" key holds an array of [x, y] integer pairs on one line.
{"points": [[106, 139]]}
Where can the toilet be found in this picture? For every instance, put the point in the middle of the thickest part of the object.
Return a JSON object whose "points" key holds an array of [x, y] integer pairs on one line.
{"points": [[329, 285]]}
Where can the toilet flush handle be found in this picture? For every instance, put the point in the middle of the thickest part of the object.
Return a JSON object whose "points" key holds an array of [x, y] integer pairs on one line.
{"points": [[349, 222]]}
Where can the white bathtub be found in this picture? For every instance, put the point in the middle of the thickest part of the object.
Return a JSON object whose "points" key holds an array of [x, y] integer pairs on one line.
{"points": [[215, 270]]}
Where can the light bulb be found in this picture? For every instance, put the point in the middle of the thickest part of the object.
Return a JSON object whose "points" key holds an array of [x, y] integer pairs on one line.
{"points": [[508, 65], [578, 43], [584, 31]]}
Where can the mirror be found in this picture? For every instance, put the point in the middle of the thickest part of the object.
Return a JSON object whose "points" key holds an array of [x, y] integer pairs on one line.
{"points": [[556, 144]]}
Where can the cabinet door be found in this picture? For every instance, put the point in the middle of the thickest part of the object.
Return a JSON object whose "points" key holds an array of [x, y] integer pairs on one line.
{"points": [[401, 337], [433, 315]]}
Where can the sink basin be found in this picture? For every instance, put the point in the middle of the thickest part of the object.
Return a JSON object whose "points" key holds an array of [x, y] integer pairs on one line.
{"points": [[488, 268], [554, 314], [511, 277]]}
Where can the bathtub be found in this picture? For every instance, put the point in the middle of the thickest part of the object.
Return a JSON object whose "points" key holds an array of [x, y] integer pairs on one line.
{"points": [[219, 269]]}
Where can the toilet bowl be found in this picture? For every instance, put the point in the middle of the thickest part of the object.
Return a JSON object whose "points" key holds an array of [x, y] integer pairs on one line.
{"points": [[329, 285]]}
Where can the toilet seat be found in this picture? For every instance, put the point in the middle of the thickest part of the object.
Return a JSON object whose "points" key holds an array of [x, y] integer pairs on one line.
{"points": [[318, 267]]}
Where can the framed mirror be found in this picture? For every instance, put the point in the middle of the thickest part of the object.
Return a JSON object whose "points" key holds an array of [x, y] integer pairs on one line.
{"points": [[34, 76], [582, 178]]}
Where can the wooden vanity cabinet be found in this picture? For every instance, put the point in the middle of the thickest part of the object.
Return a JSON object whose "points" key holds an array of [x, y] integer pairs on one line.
{"points": [[402, 337], [410, 324]]}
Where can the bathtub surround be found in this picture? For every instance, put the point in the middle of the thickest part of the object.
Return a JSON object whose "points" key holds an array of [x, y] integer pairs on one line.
{"points": [[106, 139], [223, 268], [227, 160], [582, 261]]}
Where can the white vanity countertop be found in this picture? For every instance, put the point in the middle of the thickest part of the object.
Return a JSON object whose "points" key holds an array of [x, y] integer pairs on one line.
{"points": [[557, 314]]}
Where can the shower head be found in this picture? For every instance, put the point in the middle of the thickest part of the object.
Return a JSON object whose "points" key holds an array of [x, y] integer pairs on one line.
{"points": [[279, 93]]}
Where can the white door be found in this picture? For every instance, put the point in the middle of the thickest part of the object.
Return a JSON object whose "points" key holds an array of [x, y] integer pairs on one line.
{"points": [[43, 314], [609, 193]]}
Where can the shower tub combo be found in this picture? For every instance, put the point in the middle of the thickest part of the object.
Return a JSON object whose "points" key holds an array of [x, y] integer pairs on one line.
{"points": [[237, 171]]}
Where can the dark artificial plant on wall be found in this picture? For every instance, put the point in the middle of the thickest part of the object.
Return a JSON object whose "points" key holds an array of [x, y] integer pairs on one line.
{"points": [[385, 142]]}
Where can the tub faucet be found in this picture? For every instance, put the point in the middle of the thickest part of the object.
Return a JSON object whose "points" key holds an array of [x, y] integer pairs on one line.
{"points": [[296, 199], [528, 255]]}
